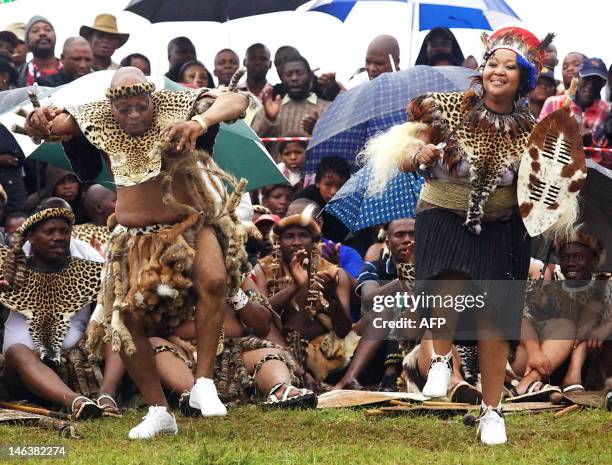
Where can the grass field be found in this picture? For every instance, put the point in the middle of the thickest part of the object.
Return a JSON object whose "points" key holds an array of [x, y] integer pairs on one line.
{"points": [[328, 437]]}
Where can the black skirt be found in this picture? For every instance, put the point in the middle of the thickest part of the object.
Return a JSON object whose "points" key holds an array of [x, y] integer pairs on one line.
{"points": [[500, 253]]}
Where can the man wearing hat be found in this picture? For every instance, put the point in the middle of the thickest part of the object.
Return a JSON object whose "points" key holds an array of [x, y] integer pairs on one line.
{"points": [[587, 106], [104, 39], [20, 50], [40, 40]]}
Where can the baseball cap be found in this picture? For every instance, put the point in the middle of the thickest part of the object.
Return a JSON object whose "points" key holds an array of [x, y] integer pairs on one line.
{"points": [[273, 218], [593, 67]]}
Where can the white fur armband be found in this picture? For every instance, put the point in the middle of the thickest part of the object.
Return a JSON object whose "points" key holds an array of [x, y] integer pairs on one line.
{"points": [[239, 300]]}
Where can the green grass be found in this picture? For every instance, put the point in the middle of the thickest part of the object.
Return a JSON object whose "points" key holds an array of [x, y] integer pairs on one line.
{"points": [[252, 436]]}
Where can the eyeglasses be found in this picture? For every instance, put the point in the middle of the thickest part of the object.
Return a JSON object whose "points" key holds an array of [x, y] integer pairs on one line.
{"points": [[125, 110]]}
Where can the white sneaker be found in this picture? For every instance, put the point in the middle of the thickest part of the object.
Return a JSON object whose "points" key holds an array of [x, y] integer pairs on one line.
{"points": [[491, 426], [157, 421], [205, 398], [438, 376]]}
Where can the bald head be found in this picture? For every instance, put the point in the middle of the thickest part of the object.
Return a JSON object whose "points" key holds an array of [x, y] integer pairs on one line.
{"points": [[381, 51], [128, 76], [299, 205], [99, 203], [385, 44], [133, 113]]}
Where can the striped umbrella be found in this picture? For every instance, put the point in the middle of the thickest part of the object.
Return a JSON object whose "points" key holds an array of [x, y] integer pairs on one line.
{"points": [[363, 111], [427, 14]]}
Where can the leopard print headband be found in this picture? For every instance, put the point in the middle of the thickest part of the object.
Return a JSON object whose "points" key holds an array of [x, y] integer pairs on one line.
{"points": [[133, 90], [46, 214]]}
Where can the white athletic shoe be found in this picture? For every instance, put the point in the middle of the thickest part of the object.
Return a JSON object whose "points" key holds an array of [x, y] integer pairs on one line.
{"points": [[157, 421], [438, 376], [491, 426], [204, 397]]}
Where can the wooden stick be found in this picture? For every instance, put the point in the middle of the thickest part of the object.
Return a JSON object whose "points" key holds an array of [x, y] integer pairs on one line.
{"points": [[373, 412], [400, 403], [35, 410], [566, 410], [432, 403]]}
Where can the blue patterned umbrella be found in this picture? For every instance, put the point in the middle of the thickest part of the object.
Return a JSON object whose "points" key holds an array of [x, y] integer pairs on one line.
{"points": [[427, 14], [361, 112], [358, 210]]}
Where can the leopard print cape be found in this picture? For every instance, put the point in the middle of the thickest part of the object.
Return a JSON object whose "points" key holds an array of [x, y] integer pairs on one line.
{"points": [[488, 141], [48, 301]]}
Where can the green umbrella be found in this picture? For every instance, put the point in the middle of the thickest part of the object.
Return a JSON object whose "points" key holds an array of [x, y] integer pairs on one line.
{"points": [[53, 153]]}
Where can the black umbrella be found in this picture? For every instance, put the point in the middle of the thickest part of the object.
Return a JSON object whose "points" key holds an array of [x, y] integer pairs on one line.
{"points": [[158, 11]]}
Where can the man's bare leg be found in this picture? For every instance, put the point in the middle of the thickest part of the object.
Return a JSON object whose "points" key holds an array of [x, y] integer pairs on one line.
{"points": [[141, 365], [555, 345], [574, 371], [209, 281], [38, 378], [364, 353]]}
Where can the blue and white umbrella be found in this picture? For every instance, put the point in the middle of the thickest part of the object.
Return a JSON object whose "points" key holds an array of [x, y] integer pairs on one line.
{"points": [[428, 14], [358, 209]]}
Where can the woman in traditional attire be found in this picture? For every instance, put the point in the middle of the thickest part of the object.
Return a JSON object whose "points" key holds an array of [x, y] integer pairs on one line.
{"points": [[468, 227]]}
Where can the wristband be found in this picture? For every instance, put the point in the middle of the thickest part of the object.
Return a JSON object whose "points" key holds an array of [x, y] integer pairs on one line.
{"points": [[239, 300], [198, 119], [414, 160]]}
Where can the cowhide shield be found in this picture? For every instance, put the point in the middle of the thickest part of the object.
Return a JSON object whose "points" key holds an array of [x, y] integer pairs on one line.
{"points": [[552, 172]]}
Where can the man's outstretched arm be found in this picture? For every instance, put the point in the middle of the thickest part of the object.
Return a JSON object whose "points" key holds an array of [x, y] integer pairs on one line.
{"points": [[48, 122], [228, 106]]}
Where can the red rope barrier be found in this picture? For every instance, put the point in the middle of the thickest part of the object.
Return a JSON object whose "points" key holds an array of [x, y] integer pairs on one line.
{"points": [[597, 149], [285, 139]]}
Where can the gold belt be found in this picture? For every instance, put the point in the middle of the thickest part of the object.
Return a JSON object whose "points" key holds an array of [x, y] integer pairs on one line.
{"points": [[456, 196]]}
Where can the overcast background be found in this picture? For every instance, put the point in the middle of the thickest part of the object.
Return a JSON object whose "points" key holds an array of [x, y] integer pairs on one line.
{"points": [[328, 44]]}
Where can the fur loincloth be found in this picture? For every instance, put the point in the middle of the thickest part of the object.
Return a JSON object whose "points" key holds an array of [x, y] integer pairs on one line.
{"points": [[328, 353], [149, 270]]}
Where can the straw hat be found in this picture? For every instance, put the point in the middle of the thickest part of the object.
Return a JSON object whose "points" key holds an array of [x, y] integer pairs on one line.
{"points": [[104, 23]]}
